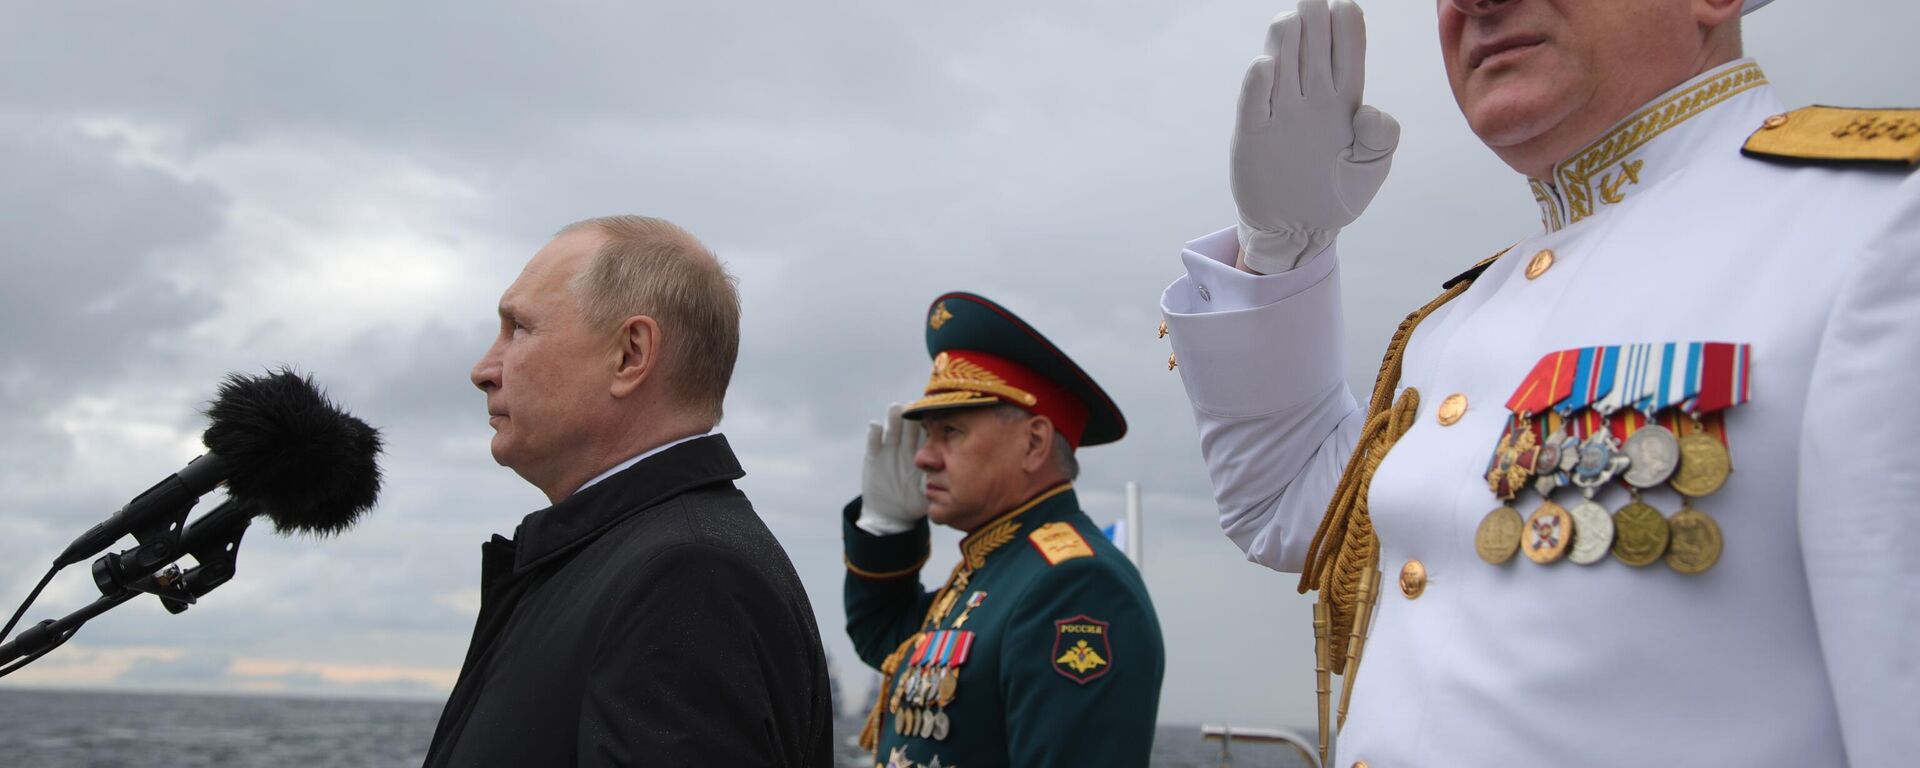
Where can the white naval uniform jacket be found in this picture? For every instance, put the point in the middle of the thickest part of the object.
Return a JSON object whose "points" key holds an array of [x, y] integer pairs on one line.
{"points": [[1800, 648]]}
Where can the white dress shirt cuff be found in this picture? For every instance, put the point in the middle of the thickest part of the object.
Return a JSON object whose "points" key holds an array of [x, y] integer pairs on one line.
{"points": [[1250, 345]]}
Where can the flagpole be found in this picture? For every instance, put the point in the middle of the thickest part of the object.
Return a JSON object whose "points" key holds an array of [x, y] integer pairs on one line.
{"points": [[1136, 548]]}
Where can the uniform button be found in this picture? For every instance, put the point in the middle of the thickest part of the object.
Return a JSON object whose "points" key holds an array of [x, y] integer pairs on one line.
{"points": [[1541, 262], [1413, 579], [1163, 329], [1451, 409], [1774, 122], [1172, 363], [1359, 764], [1205, 295]]}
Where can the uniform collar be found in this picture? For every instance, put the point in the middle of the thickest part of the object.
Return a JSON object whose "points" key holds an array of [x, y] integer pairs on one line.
{"points": [[589, 512], [1654, 143], [995, 534]]}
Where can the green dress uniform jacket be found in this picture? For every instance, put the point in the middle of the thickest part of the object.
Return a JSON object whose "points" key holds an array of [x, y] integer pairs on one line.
{"points": [[1042, 648]]}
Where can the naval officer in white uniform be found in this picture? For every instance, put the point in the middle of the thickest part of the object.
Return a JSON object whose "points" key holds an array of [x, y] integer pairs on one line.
{"points": [[1680, 203]]}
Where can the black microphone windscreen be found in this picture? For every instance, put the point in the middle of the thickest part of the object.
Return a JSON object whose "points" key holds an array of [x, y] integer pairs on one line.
{"points": [[308, 464]]}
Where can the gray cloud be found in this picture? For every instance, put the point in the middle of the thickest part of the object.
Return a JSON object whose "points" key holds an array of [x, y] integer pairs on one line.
{"points": [[348, 187]]}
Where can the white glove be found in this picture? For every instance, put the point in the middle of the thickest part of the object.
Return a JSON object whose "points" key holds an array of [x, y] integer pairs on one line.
{"points": [[1307, 158], [893, 492]]}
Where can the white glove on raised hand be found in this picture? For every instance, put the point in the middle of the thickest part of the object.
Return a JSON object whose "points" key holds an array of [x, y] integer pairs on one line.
{"points": [[893, 492], [1307, 158]]}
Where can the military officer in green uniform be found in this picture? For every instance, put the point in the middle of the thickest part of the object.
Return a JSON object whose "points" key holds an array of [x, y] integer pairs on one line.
{"points": [[1042, 647]]}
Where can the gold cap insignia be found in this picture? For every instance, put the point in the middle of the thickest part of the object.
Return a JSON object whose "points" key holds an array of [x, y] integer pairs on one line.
{"points": [[939, 316], [957, 380]]}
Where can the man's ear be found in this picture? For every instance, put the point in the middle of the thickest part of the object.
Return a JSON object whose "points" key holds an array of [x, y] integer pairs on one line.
{"points": [[1039, 444], [638, 349], [1711, 14]]}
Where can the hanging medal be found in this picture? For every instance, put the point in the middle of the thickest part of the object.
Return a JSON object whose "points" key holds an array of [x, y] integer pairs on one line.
{"points": [[1514, 458], [1652, 450], [923, 687], [1592, 524], [1551, 529], [903, 681], [1559, 449], [903, 685], [953, 654], [1640, 533], [1723, 376], [1599, 456], [1546, 534], [949, 687], [1517, 456], [1604, 384], [973, 601], [1655, 375]]}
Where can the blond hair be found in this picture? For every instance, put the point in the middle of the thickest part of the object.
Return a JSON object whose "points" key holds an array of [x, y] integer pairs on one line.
{"points": [[652, 267]]}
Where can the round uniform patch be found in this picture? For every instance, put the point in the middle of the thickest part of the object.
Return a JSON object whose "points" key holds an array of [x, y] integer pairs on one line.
{"points": [[1081, 652]]}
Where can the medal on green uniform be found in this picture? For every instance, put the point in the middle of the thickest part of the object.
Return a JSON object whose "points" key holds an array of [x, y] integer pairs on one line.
{"points": [[973, 601], [929, 682]]}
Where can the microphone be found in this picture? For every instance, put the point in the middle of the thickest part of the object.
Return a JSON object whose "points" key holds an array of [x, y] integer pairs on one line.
{"points": [[282, 448]]}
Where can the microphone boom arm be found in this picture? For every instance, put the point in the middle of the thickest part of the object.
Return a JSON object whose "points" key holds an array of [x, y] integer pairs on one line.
{"points": [[213, 539]]}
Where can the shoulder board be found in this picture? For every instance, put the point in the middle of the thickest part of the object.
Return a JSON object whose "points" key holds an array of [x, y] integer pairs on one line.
{"points": [[1059, 542], [1473, 272], [1839, 136]]}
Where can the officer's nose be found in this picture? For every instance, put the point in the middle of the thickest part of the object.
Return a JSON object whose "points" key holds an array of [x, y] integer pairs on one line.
{"points": [[928, 459], [1477, 7]]}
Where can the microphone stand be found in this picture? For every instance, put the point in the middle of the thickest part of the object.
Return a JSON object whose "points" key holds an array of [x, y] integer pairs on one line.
{"points": [[40, 639], [213, 540]]}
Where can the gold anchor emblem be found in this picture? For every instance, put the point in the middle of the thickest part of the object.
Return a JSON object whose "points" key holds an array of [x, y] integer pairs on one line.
{"points": [[1611, 184]]}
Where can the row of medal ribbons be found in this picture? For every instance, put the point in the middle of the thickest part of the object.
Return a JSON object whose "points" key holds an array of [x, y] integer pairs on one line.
{"points": [[1644, 416], [927, 686]]}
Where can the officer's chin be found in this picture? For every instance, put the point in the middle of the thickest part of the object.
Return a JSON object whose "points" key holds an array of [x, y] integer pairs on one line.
{"points": [[939, 513]]}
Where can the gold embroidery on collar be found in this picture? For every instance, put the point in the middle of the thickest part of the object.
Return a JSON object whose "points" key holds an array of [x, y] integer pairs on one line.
{"points": [[1549, 206], [955, 376], [994, 535], [1598, 171]]}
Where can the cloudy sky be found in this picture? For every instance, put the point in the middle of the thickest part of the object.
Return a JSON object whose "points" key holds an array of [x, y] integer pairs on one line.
{"points": [[191, 189]]}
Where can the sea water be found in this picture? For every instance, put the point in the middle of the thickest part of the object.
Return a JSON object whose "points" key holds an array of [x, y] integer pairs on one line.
{"points": [[93, 729]]}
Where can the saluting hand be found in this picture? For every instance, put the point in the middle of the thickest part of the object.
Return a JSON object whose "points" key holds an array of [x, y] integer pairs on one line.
{"points": [[892, 490], [1307, 157]]}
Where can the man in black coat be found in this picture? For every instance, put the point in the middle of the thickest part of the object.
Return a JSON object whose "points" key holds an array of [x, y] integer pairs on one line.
{"points": [[647, 617]]}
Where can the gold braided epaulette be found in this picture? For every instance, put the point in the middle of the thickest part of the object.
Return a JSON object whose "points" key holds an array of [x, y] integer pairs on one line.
{"points": [[1839, 136]]}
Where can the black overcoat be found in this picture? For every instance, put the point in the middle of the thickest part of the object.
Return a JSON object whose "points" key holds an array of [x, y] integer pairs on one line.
{"points": [[650, 619]]}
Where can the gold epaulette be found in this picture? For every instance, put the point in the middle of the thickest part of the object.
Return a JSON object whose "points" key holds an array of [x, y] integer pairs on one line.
{"points": [[1059, 542], [1839, 136]]}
